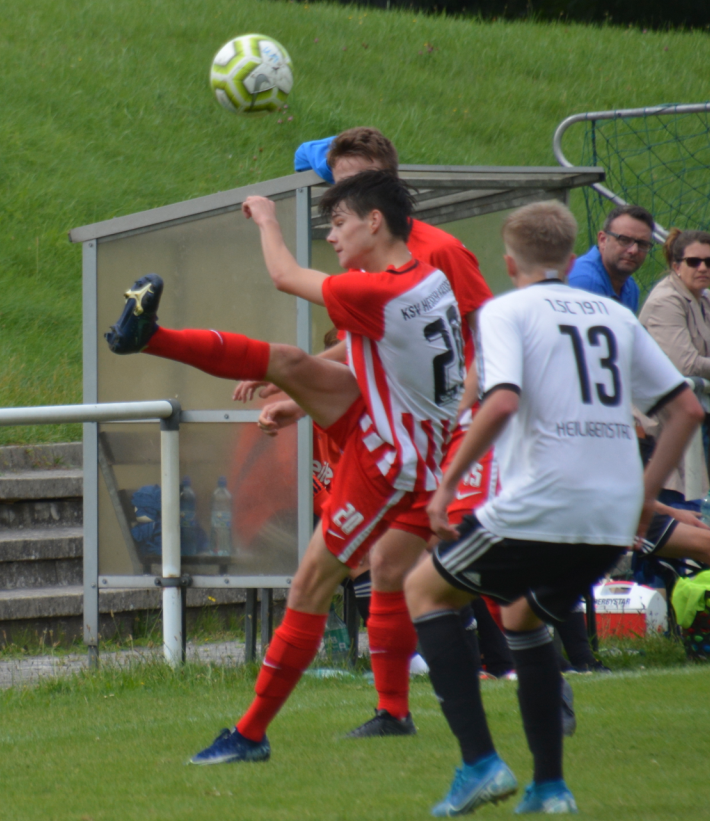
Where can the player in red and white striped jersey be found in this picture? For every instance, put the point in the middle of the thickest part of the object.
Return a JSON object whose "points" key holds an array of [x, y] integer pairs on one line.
{"points": [[392, 320], [353, 151], [403, 330], [392, 433]]}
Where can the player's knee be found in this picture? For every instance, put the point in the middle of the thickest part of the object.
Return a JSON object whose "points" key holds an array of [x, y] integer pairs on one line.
{"points": [[316, 579], [388, 572], [304, 585], [285, 359], [389, 567]]}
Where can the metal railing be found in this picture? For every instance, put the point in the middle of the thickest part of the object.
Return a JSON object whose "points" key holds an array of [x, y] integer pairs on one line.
{"points": [[660, 233], [168, 413]]}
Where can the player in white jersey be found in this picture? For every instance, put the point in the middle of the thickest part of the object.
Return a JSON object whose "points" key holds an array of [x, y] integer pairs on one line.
{"points": [[558, 376]]}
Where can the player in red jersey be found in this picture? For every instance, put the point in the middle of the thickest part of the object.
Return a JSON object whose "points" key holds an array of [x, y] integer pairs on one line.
{"points": [[392, 413], [351, 152]]}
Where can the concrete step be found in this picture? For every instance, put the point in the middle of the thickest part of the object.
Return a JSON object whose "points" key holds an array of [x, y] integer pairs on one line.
{"points": [[41, 484], [41, 457], [41, 557], [41, 544], [56, 612], [42, 513], [52, 602]]}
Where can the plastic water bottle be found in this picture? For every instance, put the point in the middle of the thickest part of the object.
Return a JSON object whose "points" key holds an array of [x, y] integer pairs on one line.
{"points": [[705, 509], [188, 519], [336, 638], [221, 522]]}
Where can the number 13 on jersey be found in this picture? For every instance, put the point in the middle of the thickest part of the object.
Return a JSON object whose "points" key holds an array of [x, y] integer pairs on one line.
{"points": [[599, 337]]}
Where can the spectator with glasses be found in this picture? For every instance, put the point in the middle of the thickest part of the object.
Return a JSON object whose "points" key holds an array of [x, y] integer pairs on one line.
{"points": [[621, 249], [677, 315]]}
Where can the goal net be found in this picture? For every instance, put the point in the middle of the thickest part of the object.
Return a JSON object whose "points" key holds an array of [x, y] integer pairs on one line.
{"points": [[655, 157]]}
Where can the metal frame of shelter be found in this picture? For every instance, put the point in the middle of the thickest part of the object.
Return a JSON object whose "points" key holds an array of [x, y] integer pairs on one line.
{"points": [[445, 194]]}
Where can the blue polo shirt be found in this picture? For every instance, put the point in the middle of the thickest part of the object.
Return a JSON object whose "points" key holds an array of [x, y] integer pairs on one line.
{"points": [[590, 274]]}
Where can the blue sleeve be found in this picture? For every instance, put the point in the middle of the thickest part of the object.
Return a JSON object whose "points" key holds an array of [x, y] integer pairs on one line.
{"points": [[585, 275], [313, 154]]}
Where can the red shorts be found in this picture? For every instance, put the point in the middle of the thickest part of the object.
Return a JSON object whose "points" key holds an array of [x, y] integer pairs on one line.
{"points": [[362, 505], [477, 485], [415, 520]]}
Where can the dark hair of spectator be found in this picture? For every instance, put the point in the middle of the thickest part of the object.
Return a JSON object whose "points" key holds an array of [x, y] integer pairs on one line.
{"points": [[373, 191], [364, 142], [674, 247], [636, 212]]}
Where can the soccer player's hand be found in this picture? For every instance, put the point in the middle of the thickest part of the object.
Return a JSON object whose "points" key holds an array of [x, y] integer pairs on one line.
{"points": [[647, 511], [260, 209], [279, 415], [689, 517], [438, 516], [246, 390]]}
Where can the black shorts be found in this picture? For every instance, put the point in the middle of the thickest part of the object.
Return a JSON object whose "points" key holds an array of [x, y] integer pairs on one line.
{"points": [[551, 576], [659, 531]]}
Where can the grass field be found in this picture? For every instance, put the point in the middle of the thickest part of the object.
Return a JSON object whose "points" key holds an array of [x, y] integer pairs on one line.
{"points": [[113, 746], [107, 111]]}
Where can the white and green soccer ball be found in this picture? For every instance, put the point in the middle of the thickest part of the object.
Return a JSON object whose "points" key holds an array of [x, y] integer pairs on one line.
{"points": [[251, 74]]}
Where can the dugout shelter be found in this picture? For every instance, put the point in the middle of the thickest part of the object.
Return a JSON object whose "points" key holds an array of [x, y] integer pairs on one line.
{"points": [[210, 259]]}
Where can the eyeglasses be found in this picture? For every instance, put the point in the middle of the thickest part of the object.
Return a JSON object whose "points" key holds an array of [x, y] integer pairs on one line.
{"points": [[626, 242], [694, 262]]}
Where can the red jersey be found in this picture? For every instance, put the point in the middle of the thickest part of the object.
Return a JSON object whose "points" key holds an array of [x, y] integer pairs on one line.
{"points": [[450, 255], [406, 351]]}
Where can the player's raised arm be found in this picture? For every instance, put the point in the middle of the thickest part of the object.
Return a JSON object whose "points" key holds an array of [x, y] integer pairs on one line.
{"points": [[286, 273]]}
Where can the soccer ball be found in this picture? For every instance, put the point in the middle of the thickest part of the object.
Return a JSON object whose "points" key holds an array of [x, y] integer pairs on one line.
{"points": [[251, 75]]}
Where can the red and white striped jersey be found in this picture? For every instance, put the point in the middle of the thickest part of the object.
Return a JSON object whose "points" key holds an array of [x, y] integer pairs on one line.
{"points": [[406, 352], [434, 246]]}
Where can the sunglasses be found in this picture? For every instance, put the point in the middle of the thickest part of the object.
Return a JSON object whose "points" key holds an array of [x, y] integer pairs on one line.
{"points": [[694, 262], [626, 242]]}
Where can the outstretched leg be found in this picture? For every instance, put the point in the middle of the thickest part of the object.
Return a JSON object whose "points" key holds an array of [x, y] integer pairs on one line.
{"points": [[324, 389]]}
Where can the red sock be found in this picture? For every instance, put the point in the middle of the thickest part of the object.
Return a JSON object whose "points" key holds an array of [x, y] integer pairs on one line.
{"points": [[230, 356], [393, 641], [292, 649]]}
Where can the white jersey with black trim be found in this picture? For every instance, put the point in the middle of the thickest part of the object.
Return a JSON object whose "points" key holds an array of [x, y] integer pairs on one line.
{"points": [[569, 461], [406, 352]]}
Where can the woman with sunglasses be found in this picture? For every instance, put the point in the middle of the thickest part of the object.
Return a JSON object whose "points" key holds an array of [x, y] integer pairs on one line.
{"points": [[677, 315], [677, 311]]}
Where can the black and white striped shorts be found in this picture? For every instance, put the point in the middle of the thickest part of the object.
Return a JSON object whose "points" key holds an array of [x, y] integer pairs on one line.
{"points": [[551, 576]]}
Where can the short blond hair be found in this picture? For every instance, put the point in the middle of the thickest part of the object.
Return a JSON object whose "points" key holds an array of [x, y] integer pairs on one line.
{"points": [[541, 235]]}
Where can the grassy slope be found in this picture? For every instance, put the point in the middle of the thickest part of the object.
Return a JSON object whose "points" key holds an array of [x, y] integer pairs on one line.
{"points": [[106, 111], [113, 747]]}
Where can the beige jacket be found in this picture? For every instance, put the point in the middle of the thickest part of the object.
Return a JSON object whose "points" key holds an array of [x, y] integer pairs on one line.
{"points": [[675, 319], [681, 326]]}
